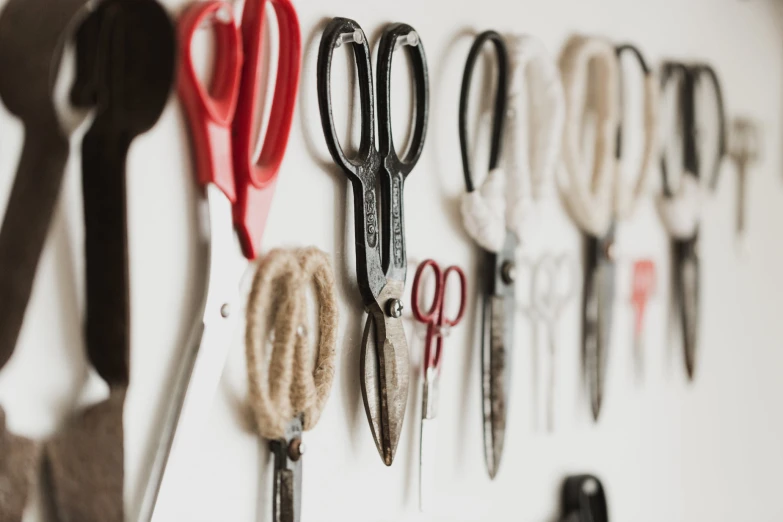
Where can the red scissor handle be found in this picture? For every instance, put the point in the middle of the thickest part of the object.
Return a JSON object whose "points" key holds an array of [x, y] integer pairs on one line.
{"points": [[211, 112], [255, 178], [435, 317], [643, 286]]}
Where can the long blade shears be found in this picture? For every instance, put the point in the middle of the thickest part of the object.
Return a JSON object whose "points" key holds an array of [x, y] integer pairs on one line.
{"points": [[680, 206], [438, 325], [381, 264], [237, 192], [498, 266]]}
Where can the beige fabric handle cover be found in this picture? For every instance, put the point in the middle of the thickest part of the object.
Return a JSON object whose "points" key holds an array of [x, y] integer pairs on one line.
{"points": [[286, 387]]}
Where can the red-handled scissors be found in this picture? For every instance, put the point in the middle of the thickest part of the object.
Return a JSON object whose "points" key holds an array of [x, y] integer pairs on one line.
{"points": [[437, 326], [237, 191], [643, 287]]}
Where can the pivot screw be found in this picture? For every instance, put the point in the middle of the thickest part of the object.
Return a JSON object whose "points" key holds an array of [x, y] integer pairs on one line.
{"points": [[394, 308], [225, 310], [508, 272], [296, 449]]}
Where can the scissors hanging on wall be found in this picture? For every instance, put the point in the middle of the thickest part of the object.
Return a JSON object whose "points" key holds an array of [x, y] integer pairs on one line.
{"points": [[598, 194], [237, 189], [680, 206], [286, 393], [497, 213], [553, 285], [438, 327], [378, 177]]}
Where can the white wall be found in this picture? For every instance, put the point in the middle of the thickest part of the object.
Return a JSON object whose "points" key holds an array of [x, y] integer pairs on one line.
{"points": [[665, 449]]}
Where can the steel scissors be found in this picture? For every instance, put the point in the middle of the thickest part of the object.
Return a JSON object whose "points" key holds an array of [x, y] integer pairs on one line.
{"points": [[286, 393], [549, 296], [498, 268], [680, 205], [381, 265], [437, 327], [237, 189]]}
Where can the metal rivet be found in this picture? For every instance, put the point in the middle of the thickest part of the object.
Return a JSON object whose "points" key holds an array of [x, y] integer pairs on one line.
{"points": [[225, 310], [508, 272], [610, 251], [296, 449], [394, 308]]}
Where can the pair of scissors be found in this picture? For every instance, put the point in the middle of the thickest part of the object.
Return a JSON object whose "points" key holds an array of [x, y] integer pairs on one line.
{"points": [[438, 326], [288, 395], [378, 177], [598, 203], [680, 205], [237, 189], [498, 267], [552, 287], [642, 286]]}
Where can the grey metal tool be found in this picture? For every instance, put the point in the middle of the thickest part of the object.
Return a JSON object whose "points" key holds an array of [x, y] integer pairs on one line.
{"points": [[744, 149]]}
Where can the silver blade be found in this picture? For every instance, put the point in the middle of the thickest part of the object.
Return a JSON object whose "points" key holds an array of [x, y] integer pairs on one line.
{"points": [[204, 357], [428, 441], [689, 299], [494, 385]]}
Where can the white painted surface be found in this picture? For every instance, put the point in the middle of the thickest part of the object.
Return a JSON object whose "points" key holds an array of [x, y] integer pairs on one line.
{"points": [[666, 450]]}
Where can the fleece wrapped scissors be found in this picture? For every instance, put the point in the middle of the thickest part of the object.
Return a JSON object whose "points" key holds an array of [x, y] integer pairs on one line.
{"points": [[598, 194], [237, 189], [381, 263], [680, 205], [437, 325]]}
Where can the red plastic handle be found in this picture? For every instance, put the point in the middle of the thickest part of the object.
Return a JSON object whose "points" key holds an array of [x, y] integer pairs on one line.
{"points": [[211, 112], [435, 317], [255, 178], [643, 286]]}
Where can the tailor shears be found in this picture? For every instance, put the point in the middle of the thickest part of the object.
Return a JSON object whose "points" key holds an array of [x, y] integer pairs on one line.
{"points": [[599, 201], [289, 400], [498, 266], [680, 206], [438, 326], [381, 264], [552, 287], [237, 191]]}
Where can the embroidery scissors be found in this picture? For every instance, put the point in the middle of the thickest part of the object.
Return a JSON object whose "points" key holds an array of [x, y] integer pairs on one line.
{"points": [[552, 287], [498, 265], [289, 400], [437, 327], [381, 264], [237, 189], [598, 203], [642, 286], [680, 205]]}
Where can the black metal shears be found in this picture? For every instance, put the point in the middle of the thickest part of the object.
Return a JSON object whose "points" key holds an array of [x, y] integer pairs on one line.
{"points": [[685, 240], [498, 268], [378, 177]]}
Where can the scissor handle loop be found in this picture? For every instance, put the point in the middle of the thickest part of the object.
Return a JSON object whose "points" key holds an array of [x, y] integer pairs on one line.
{"points": [[211, 111], [262, 171], [620, 50], [389, 41], [550, 301], [333, 35], [499, 114], [432, 313], [281, 383], [463, 281], [701, 70]]}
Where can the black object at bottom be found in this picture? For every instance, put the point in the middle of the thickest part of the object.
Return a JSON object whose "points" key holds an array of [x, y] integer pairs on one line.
{"points": [[584, 500]]}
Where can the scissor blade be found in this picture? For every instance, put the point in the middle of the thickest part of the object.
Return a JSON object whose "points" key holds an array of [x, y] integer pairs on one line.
{"points": [[384, 367], [206, 352], [428, 442], [688, 297], [495, 384], [287, 491], [598, 305]]}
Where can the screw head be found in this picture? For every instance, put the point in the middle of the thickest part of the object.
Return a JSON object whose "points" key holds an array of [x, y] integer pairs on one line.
{"points": [[610, 251], [508, 271], [296, 449], [225, 310], [394, 308]]}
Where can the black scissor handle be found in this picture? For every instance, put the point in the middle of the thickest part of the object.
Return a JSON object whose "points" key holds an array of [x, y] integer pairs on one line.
{"points": [[699, 71], [620, 50], [389, 42], [333, 36], [500, 102], [681, 73]]}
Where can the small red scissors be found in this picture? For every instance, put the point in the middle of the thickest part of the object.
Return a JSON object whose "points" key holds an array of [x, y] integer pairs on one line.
{"points": [[643, 287], [437, 325], [237, 190]]}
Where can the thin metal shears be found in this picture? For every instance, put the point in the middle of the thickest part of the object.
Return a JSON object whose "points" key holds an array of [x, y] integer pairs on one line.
{"points": [[497, 268], [684, 197], [437, 327], [378, 178], [237, 192]]}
